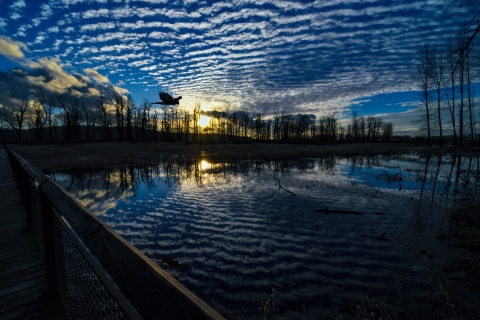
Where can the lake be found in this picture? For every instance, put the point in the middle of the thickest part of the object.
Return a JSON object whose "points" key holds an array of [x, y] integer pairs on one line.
{"points": [[309, 239]]}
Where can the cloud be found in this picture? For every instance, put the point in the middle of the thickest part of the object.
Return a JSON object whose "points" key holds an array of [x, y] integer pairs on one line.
{"points": [[3, 23], [97, 26], [95, 75], [11, 49], [20, 83], [52, 77], [15, 15], [53, 29], [17, 5]]}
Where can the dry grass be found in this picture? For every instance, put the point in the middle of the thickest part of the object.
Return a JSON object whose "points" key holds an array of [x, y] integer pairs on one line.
{"points": [[466, 221], [80, 156], [370, 309]]}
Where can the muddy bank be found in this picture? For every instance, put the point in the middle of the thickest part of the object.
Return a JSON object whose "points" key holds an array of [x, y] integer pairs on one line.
{"points": [[84, 156]]}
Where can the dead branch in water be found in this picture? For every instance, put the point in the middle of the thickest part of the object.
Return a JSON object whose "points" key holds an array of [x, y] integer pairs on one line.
{"points": [[327, 211], [281, 187], [174, 263], [380, 237]]}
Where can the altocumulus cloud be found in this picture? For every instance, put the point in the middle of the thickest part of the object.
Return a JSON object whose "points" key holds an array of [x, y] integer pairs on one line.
{"points": [[11, 49], [47, 73], [311, 56]]}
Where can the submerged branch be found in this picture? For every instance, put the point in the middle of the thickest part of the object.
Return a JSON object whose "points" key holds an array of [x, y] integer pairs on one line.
{"points": [[174, 263], [281, 187], [327, 211], [380, 237]]}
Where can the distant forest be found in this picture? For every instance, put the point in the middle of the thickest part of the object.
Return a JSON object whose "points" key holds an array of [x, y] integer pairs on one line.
{"points": [[53, 119]]}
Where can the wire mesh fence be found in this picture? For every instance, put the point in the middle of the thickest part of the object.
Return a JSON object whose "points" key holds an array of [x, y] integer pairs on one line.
{"points": [[36, 212], [86, 290], [82, 290]]}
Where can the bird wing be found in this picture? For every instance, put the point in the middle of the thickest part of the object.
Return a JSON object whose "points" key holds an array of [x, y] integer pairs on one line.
{"points": [[165, 96]]}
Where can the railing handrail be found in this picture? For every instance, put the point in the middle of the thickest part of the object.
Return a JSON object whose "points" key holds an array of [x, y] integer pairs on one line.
{"points": [[151, 291]]}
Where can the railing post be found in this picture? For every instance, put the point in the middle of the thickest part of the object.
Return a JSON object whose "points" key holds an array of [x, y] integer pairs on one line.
{"points": [[21, 181], [48, 244], [27, 200]]}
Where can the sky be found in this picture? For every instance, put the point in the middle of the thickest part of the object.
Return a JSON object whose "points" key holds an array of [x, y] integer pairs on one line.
{"points": [[258, 56]]}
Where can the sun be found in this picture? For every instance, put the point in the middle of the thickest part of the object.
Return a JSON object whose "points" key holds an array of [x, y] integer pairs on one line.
{"points": [[204, 121], [204, 165]]}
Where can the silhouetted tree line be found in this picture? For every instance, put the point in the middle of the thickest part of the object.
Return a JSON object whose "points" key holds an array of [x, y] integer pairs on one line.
{"points": [[118, 118], [369, 128]]}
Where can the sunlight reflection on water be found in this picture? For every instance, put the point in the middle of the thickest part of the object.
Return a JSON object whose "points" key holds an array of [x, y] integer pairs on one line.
{"points": [[241, 236]]}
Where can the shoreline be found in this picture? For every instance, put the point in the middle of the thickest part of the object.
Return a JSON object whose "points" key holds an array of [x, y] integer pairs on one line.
{"points": [[70, 157]]}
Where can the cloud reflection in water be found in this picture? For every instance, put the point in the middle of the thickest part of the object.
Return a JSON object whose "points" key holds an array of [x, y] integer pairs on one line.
{"points": [[239, 242]]}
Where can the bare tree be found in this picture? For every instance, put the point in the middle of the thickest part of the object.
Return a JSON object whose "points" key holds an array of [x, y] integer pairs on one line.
{"points": [[470, 99], [90, 117], [452, 75], [461, 69], [387, 131], [15, 117], [129, 106], [102, 107], [438, 75], [119, 104], [424, 75], [470, 28], [39, 114]]}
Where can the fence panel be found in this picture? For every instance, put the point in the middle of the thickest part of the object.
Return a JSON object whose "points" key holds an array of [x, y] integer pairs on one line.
{"points": [[85, 288], [36, 214]]}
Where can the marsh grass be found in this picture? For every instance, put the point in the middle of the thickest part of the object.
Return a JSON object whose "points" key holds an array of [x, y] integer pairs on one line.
{"points": [[69, 157], [444, 298], [466, 231], [370, 309], [267, 307], [466, 220]]}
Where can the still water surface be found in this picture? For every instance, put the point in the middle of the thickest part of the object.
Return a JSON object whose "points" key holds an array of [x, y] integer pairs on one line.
{"points": [[248, 234]]}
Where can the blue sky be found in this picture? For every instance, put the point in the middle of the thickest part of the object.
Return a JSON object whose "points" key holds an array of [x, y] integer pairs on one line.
{"points": [[258, 56]]}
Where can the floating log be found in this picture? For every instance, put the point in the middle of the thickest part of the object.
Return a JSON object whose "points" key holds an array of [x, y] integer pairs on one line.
{"points": [[327, 211], [380, 237]]}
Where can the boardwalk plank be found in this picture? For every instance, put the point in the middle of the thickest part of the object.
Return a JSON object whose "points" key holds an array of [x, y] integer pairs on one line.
{"points": [[18, 210], [19, 298], [16, 261], [15, 299], [20, 251], [12, 244], [21, 286], [42, 308], [39, 274], [13, 218], [22, 273], [12, 227], [15, 237], [20, 268]]}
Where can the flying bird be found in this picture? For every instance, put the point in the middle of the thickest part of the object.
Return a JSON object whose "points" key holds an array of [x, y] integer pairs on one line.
{"points": [[167, 99]]}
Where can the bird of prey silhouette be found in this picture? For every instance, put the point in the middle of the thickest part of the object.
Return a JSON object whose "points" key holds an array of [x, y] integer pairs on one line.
{"points": [[167, 99]]}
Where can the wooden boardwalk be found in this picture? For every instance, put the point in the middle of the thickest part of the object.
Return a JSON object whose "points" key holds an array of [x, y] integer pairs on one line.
{"points": [[22, 279]]}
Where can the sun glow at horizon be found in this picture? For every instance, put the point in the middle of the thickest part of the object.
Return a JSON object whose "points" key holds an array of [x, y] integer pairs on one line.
{"points": [[204, 165], [204, 121]]}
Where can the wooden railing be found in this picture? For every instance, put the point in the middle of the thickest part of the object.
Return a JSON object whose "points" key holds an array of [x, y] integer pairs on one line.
{"points": [[96, 272]]}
